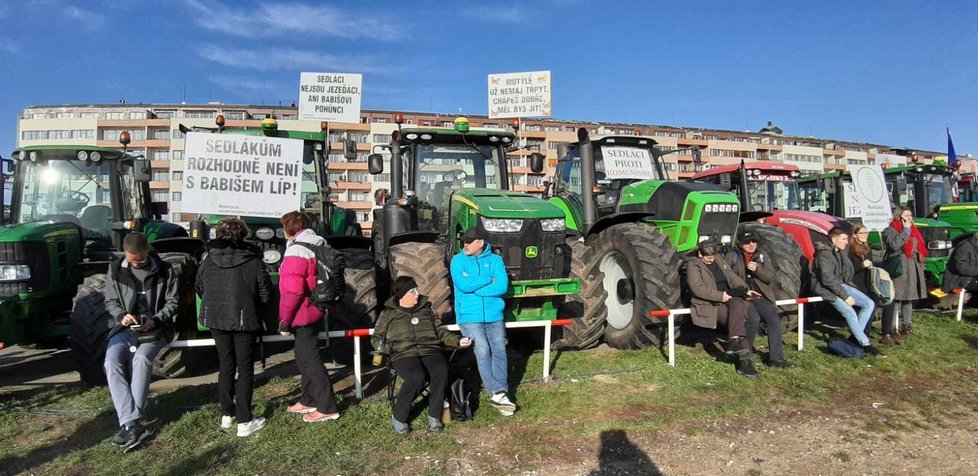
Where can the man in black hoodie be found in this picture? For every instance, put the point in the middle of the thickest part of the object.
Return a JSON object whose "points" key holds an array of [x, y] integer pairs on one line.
{"points": [[141, 294], [233, 285]]}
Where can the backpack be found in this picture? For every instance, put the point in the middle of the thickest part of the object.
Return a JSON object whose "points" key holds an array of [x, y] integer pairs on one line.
{"points": [[880, 285], [846, 348], [459, 401], [330, 283]]}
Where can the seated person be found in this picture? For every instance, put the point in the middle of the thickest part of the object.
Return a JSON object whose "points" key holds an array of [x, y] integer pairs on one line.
{"points": [[833, 282], [962, 267], [718, 297], [412, 337]]}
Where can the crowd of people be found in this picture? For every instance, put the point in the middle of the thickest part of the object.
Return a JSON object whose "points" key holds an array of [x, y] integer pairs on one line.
{"points": [[737, 289]]}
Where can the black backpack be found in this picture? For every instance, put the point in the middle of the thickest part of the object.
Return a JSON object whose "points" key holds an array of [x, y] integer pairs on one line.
{"points": [[330, 283], [459, 401]]}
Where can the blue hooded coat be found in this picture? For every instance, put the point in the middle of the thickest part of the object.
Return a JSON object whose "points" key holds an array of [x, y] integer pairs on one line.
{"points": [[480, 282]]}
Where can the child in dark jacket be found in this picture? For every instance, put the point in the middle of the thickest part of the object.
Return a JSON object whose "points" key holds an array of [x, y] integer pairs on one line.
{"points": [[410, 334]]}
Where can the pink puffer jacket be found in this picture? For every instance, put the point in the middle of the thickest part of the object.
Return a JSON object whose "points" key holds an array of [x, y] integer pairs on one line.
{"points": [[297, 277]]}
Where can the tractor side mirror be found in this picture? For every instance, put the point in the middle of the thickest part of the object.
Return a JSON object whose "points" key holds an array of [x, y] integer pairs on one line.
{"points": [[141, 171], [158, 209], [350, 149], [375, 164], [697, 156], [536, 162], [725, 181]]}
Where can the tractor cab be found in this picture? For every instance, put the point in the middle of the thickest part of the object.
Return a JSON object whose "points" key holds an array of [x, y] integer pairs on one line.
{"points": [[762, 186], [922, 188], [967, 188]]}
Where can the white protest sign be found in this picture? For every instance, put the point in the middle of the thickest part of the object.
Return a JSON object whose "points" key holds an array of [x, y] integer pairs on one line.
{"points": [[331, 97], [870, 194], [255, 176], [627, 163], [851, 202], [519, 94]]}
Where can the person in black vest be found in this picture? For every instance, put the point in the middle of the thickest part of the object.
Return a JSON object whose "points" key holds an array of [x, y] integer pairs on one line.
{"points": [[233, 285]]}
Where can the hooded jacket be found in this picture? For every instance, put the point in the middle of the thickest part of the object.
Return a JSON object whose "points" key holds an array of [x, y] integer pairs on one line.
{"points": [[833, 268], [705, 297], [233, 285], [962, 268], [415, 332], [480, 282], [162, 294], [297, 279]]}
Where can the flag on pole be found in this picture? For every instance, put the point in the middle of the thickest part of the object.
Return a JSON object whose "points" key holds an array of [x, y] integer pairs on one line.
{"points": [[952, 158]]}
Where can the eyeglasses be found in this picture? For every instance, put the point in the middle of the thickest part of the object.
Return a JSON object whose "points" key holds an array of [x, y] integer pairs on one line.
{"points": [[139, 262], [750, 242]]}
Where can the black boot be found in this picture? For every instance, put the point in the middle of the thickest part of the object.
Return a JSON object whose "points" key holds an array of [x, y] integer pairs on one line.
{"points": [[746, 368]]}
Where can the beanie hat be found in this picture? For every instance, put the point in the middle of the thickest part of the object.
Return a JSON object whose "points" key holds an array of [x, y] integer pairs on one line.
{"points": [[402, 285]]}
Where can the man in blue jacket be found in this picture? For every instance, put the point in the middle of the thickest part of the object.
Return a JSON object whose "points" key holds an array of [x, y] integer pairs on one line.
{"points": [[480, 281]]}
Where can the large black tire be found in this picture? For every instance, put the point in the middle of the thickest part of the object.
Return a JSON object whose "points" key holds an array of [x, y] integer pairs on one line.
{"points": [[786, 257], [358, 309], [90, 326], [425, 262], [178, 362], [587, 309], [641, 274]]}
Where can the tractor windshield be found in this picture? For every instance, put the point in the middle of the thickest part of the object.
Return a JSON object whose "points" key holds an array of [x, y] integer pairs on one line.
{"points": [[938, 189], [65, 190], [443, 169], [772, 193]]}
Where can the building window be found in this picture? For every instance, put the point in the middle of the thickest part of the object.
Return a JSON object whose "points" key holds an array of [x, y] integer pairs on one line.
{"points": [[380, 120], [137, 115], [82, 134], [552, 145], [386, 178], [34, 135], [66, 115], [115, 116], [363, 217], [359, 196], [337, 177], [531, 127], [161, 134], [39, 115], [361, 137], [161, 155], [161, 175], [381, 138], [235, 115], [447, 124], [177, 176], [258, 117], [199, 114], [359, 177], [177, 196], [176, 134], [286, 117], [89, 115], [551, 128], [178, 155], [160, 196], [165, 114]]}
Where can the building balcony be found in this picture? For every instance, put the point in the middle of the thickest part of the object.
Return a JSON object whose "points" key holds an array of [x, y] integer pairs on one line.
{"points": [[360, 166], [350, 185], [159, 185], [830, 166], [358, 205]]}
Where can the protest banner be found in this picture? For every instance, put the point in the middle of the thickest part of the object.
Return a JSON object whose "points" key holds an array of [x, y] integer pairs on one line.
{"points": [[332, 97], [627, 163], [519, 95], [870, 194]]}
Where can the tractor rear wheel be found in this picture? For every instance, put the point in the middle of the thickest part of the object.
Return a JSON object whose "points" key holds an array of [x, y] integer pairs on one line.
{"points": [[176, 362], [641, 274], [358, 309], [90, 326], [425, 262], [587, 309], [786, 257]]}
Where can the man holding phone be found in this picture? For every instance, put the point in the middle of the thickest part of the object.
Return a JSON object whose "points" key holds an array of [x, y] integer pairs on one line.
{"points": [[141, 294]]}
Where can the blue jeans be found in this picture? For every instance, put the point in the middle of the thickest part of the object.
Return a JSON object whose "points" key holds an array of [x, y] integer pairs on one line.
{"points": [[856, 323], [129, 375], [489, 344]]}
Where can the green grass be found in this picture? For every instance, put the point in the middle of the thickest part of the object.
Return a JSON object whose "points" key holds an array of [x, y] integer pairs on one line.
{"points": [[63, 430]]}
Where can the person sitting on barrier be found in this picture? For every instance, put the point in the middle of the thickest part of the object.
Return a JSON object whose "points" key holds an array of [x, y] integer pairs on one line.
{"points": [[480, 281], [833, 282], [962, 267], [233, 285], [298, 315], [864, 257], [142, 295], [718, 297], [903, 239], [412, 337], [755, 268]]}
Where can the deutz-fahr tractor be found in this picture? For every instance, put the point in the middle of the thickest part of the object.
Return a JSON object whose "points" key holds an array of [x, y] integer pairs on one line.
{"points": [[908, 186], [445, 181], [71, 207], [632, 225], [358, 308]]}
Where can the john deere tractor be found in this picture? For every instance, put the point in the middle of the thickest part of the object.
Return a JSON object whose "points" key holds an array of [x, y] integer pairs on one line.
{"points": [[633, 225], [71, 207], [445, 181]]}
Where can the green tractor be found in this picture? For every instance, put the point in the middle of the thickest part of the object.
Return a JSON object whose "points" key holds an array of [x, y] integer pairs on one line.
{"points": [[445, 181], [70, 208], [922, 188], [633, 224], [358, 309]]}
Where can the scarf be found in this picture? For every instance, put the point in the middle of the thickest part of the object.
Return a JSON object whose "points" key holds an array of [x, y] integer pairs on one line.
{"points": [[914, 233]]}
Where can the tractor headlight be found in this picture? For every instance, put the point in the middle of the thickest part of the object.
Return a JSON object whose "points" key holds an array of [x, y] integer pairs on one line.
{"points": [[15, 272], [212, 233], [938, 245], [280, 233], [553, 224], [504, 225], [725, 240], [271, 256], [265, 233]]}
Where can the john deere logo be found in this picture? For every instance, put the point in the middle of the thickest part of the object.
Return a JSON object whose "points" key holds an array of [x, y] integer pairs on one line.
{"points": [[531, 252]]}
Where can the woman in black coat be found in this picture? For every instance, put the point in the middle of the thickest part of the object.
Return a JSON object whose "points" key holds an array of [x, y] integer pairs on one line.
{"points": [[233, 285]]}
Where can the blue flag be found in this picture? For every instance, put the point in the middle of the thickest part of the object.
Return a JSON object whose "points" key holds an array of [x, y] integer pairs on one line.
{"points": [[952, 158]]}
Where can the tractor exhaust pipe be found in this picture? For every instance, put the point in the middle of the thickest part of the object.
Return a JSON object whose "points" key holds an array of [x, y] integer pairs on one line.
{"points": [[587, 178], [397, 168]]}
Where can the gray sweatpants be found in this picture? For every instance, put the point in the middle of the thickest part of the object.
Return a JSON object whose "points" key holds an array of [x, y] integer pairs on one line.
{"points": [[129, 375]]}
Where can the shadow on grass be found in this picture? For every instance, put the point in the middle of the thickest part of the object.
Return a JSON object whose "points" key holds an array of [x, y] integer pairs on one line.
{"points": [[618, 455], [214, 458]]}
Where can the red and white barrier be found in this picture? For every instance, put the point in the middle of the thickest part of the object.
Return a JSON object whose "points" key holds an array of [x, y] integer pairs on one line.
{"points": [[960, 293], [672, 313], [357, 334]]}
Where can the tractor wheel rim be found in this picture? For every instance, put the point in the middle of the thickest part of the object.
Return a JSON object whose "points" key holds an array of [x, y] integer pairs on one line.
{"points": [[616, 269]]}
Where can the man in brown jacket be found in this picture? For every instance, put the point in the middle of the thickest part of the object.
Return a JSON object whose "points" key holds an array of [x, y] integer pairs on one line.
{"points": [[756, 269], [718, 297]]}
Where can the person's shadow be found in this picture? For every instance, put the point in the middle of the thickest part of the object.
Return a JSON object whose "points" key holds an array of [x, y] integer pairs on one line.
{"points": [[619, 456]]}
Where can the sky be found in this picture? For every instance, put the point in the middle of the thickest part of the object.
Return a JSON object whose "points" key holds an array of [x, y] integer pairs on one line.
{"points": [[887, 72]]}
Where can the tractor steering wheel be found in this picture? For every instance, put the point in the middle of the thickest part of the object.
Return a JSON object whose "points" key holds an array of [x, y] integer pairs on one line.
{"points": [[457, 175], [72, 201]]}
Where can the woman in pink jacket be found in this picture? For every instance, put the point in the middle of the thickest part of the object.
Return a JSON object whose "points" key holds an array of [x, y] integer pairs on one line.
{"points": [[297, 315]]}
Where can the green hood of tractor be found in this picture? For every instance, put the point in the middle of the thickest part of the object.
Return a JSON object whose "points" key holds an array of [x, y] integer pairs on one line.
{"points": [[36, 231], [931, 223], [506, 204]]}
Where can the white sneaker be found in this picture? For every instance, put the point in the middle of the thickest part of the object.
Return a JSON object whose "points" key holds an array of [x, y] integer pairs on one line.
{"points": [[502, 403], [246, 429], [226, 421]]}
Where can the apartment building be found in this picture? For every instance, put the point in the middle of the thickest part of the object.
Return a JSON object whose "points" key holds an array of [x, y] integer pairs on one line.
{"points": [[155, 133]]}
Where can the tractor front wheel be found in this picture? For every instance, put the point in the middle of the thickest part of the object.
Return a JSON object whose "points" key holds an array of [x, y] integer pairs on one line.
{"points": [[90, 326], [587, 309], [425, 262]]}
